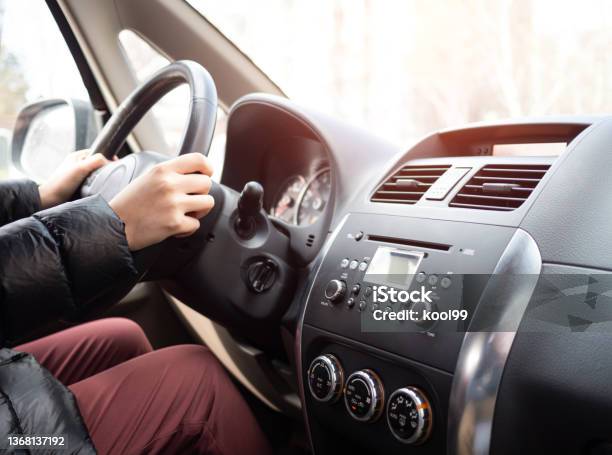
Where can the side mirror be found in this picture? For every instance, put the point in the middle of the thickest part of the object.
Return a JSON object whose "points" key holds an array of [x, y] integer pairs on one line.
{"points": [[47, 131]]}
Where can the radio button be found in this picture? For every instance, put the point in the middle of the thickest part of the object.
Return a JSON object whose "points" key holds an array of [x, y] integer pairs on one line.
{"points": [[421, 277], [445, 282], [353, 265], [335, 290], [363, 266], [344, 263], [432, 280], [420, 308]]}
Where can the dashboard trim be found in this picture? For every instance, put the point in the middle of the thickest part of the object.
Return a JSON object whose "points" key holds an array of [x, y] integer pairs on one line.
{"points": [[483, 355], [298, 338]]}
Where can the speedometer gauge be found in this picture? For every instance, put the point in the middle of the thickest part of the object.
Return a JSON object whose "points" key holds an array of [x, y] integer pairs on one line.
{"points": [[285, 202], [314, 198]]}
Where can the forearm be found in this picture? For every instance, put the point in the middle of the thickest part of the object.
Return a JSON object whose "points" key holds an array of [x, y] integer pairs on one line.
{"points": [[59, 263], [18, 199]]}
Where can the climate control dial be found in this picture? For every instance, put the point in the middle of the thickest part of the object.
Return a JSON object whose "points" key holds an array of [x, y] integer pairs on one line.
{"points": [[325, 378], [364, 396], [409, 415]]}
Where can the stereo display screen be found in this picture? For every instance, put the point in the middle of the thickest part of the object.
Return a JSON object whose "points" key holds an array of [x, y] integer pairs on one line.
{"points": [[393, 267]]}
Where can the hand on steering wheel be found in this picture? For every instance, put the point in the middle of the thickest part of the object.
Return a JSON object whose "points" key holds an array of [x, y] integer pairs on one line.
{"points": [[159, 199], [166, 201], [68, 177], [156, 197]]}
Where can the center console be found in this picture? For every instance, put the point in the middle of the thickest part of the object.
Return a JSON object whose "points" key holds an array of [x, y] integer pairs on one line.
{"points": [[370, 390]]}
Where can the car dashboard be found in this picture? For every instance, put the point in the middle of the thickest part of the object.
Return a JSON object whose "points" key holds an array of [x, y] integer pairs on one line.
{"points": [[476, 215]]}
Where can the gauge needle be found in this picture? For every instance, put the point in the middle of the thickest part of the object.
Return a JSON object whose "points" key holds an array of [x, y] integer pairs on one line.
{"points": [[284, 204]]}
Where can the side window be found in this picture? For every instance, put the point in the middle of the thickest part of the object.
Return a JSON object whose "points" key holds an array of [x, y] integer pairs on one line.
{"points": [[35, 63], [171, 111]]}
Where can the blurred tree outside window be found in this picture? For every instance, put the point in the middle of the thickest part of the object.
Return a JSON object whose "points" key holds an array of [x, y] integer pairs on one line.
{"points": [[405, 68], [35, 63]]}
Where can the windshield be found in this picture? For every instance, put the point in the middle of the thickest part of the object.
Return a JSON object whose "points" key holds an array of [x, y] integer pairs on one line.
{"points": [[404, 68]]}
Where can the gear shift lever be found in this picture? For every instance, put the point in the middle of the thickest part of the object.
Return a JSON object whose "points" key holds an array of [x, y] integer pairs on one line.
{"points": [[250, 204]]}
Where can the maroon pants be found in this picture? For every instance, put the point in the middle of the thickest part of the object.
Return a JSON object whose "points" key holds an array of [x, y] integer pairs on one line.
{"points": [[136, 400]]}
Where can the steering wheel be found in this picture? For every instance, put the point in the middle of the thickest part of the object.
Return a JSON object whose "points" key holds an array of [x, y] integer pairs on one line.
{"points": [[197, 137], [237, 268]]}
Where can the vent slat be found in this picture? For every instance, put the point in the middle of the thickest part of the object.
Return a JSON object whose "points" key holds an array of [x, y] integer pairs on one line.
{"points": [[389, 193], [541, 167], [513, 171], [392, 192], [479, 188], [394, 201], [504, 179], [424, 168], [481, 207], [517, 184], [412, 176], [492, 198], [395, 185]]}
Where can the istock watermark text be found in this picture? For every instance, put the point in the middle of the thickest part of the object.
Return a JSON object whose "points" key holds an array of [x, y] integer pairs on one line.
{"points": [[384, 294]]}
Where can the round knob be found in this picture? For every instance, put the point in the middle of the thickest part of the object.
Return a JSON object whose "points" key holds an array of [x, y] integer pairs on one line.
{"points": [[325, 378], [335, 290], [409, 415], [364, 396]]}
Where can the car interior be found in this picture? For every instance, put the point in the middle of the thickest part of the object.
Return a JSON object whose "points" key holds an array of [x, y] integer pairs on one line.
{"points": [[507, 220]]}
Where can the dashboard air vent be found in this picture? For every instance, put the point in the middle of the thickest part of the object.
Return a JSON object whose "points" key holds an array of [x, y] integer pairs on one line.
{"points": [[408, 184], [501, 187]]}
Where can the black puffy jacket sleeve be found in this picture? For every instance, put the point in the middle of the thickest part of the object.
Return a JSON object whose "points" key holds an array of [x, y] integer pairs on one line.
{"points": [[60, 263], [18, 199]]}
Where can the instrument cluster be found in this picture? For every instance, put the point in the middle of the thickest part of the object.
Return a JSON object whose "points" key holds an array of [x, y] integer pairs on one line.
{"points": [[301, 200]]}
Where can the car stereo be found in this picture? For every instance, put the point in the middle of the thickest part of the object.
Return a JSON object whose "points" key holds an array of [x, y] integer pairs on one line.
{"points": [[370, 253]]}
